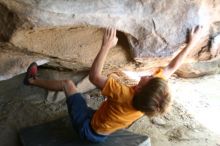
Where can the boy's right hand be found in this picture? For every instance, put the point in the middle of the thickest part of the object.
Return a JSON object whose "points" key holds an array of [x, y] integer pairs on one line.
{"points": [[109, 39], [198, 35]]}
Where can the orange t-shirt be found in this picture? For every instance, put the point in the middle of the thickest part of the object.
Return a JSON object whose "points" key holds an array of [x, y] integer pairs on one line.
{"points": [[117, 111]]}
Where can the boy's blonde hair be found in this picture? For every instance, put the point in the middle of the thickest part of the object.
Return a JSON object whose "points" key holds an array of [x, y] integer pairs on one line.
{"points": [[154, 98]]}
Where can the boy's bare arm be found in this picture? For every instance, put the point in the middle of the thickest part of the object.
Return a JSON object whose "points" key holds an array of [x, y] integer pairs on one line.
{"points": [[197, 36], [109, 41]]}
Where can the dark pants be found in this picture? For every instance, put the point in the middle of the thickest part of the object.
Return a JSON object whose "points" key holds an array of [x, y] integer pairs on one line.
{"points": [[81, 116]]}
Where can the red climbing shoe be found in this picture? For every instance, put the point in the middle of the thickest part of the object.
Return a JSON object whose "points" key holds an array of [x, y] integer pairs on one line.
{"points": [[31, 73]]}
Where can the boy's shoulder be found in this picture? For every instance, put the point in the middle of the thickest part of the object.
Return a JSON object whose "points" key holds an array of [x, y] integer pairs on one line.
{"points": [[116, 90], [120, 77]]}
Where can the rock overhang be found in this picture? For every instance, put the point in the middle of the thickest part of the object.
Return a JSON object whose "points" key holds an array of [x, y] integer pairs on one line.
{"points": [[154, 29]]}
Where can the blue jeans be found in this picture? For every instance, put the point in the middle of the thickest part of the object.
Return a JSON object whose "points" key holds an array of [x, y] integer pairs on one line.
{"points": [[81, 116]]}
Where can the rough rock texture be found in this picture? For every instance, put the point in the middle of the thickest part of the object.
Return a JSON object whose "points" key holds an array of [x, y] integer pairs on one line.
{"points": [[13, 63], [61, 47], [190, 70], [154, 26], [78, 45], [69, 30], [208, 61], [8, 23]]}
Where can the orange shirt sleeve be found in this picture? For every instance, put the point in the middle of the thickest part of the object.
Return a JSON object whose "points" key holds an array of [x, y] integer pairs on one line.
{"points": [[116, 91], [159, 73]]}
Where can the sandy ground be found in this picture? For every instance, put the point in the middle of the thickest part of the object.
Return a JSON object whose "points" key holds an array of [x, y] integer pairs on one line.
{"points": [[194, 101]]}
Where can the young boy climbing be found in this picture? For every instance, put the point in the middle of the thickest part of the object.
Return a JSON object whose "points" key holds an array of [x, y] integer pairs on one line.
{"points": [[124, 104]]}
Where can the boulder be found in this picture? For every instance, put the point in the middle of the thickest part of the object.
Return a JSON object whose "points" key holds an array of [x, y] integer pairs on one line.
{"points": [[69, 33], [154, 28], [60, 132]]}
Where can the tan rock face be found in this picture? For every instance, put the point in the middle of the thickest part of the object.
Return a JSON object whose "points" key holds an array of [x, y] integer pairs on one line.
{"points": [[70, 44], [71, 48], [14, 63], [74, 45], [68, 32]]}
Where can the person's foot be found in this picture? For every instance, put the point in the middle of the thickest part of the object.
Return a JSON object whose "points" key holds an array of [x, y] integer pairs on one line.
{"points": [[31, 73]]}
